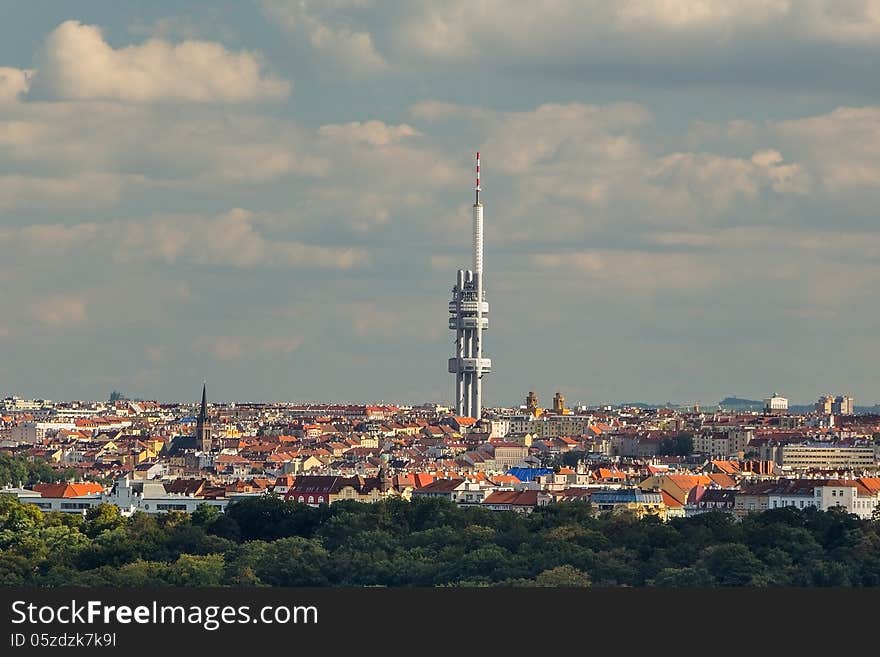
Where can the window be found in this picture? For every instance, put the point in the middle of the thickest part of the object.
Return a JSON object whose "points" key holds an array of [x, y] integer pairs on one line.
{"points": [[311, 499], [320, 499], [302, 499]]}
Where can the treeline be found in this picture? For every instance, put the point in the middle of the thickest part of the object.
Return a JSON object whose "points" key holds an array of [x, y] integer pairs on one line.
{"points": [[267, 541], [17, 470]]}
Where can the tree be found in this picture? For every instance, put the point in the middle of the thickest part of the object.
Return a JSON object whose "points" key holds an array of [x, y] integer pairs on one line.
{"points": [[681, 445], [732, 564], [101, 518], [564, 576], [196, 570], [205, 514], [572, 458]]}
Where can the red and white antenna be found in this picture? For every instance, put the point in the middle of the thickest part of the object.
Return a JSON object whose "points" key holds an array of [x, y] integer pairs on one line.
{"points": [[478, 177]]}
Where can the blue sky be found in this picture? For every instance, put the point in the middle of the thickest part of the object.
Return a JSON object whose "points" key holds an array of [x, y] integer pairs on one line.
{"points": [[679, 197]]}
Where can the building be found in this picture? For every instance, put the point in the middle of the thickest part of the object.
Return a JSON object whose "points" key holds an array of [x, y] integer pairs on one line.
{"points": [[753, 498], [520, 501], [633, 500], [840, 405], [204, 440], [843, 405], [828, 456], [315, 490], [509, 454], [64, 497], [723, 444], [776, 404], [559, 403], [705, 500], [469, 318], [532, 403]]}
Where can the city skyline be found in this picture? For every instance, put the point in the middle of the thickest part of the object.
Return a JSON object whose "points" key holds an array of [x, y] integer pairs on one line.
{"points": [[273, 196]]}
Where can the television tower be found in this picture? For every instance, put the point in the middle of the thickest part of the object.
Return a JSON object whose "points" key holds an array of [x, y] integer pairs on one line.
{"points": [[469, 312]]}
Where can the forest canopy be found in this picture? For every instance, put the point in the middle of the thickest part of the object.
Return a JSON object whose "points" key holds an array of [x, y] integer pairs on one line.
{"points": [[271, 542]]}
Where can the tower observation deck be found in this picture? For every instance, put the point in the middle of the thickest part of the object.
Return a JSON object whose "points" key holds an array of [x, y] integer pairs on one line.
{"points": [[469, 317]]}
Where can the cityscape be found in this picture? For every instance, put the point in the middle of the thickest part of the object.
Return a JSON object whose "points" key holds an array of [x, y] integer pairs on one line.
{"points": [[248, 251], [667, 462], [670, 463]]}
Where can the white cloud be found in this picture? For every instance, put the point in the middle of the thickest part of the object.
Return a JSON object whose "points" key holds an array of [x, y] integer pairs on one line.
{"points": [[14, 83], [570, 35], [696, 14], [323, 25], [86, 190], [228, 348], [372, 132], [843, 146], [60, 311], [91, 153], [232, 239], [77, 63]]}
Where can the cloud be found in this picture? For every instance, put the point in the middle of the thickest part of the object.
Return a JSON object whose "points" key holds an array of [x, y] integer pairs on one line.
{"points": [[372, 132], [86, 190], [156, 354], [60, 311], [229, 348], [628, 271], [589, 169], [842, 145], [681, 15], [94, 153], [323, 26], [233, 239], [665, 40], [230, 239], [14, 83], [77, 63]]}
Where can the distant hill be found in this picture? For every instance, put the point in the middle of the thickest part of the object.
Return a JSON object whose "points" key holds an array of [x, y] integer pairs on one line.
{"points": [[739, 403]]}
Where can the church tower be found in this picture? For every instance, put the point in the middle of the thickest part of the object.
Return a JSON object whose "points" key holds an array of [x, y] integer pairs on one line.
{"points": [[203, 424]]}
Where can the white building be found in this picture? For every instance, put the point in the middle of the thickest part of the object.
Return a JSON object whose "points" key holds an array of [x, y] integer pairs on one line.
{"points": [[776, 403], [851, 495], [827, 456]]}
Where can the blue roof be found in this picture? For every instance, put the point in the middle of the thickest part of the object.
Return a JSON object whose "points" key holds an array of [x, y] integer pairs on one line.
{"points": [[623, 496], [529, 474], [189, 419]]}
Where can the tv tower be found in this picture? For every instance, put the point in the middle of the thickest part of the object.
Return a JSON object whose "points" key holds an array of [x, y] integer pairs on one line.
{"points": [[469, 312]]}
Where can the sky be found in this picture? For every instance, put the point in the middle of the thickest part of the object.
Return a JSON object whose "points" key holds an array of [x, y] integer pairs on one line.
{"points": [[274, 196]]}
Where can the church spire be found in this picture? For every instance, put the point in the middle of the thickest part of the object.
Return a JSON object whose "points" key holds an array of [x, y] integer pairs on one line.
{"points": [[203, 413], [203, 423]]}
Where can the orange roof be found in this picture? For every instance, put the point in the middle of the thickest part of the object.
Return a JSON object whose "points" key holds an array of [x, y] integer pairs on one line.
{"points": [[727, 467], [67, 490], [686, 482], [670, 501], [566, 471], [605, 473], [871, 483], [723, 480]]}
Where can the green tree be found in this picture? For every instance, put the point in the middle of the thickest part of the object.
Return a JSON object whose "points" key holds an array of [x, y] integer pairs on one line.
{"points": [[732, 564], [104, 517], [563, 576], [196, 570]]}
